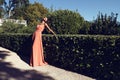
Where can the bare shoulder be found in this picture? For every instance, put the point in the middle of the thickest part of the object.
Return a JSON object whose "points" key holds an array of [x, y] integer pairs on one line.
{"points": [[38, 25]]}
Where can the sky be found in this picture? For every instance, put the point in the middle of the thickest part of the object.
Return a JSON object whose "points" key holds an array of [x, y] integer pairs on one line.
{"points": [[88, 9]]}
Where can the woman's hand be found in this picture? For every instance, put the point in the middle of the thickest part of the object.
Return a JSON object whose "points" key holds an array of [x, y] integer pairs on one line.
{"points": [[56, 36]]}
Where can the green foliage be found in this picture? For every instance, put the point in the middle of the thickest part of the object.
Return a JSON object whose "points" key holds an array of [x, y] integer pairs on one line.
{"points": [[1, 8], [65, 21], [15, 42], [19, 13], [34, 12], [96, 56], [85, 28], [19, 9], [106, 25], [9, 27], [61, 21], [0, 12]]}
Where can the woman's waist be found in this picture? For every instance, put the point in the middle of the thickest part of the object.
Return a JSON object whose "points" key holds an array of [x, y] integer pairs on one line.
{"points": [[38, 31]]}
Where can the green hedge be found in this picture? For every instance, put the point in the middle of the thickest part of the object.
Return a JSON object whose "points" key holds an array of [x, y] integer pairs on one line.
{"points": [[96, 56]]}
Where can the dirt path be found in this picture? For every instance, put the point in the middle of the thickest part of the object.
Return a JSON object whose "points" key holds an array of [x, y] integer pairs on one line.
{"points": [[13, 68]]}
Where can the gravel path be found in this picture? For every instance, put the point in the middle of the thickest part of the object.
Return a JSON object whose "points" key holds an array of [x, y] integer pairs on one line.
{"points": [[12, 67]]}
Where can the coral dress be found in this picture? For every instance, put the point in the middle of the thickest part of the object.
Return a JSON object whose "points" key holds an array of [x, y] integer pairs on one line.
{"points": [[37, 57]]}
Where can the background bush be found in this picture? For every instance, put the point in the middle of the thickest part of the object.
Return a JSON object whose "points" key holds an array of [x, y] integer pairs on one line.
{"points": [[105, 24], [61, 21], [65, 21], [95, 56], [10, 27]]}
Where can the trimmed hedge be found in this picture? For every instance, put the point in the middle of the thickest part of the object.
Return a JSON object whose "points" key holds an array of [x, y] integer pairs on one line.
{"points": [[96, 56]]}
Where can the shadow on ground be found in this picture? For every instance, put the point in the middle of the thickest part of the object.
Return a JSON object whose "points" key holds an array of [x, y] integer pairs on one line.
{"points": [[7, 72]]}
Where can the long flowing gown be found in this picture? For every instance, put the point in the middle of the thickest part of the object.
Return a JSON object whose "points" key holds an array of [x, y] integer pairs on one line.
{"points": [[37, 57]]}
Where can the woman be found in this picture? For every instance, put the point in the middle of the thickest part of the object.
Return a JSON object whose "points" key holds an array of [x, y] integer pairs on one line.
{"points": [[37, 57]]}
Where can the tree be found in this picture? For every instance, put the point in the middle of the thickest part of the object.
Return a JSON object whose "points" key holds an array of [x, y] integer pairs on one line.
{"points": [[1, 8], [85, 28], [65, 21], [11, 5], [8, 7], [20, 8], [34, 12], [104, 24]]}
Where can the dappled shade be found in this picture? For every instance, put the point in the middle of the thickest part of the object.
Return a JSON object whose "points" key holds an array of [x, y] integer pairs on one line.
{"points": [[7, 72]]}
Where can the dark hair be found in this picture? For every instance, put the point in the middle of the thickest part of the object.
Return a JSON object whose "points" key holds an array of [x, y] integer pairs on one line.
{"points": [[43, 20]]}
